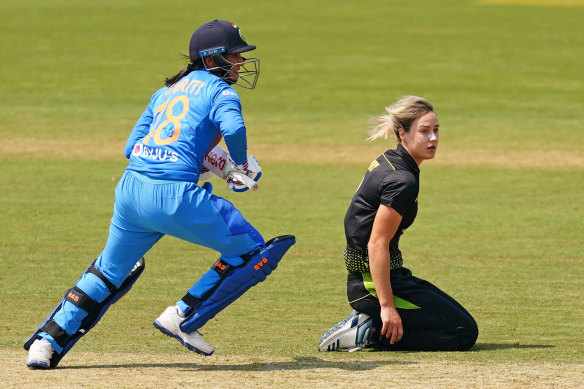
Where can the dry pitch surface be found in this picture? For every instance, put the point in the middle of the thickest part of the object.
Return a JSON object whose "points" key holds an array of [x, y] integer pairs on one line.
{"points": [[342, 370]]}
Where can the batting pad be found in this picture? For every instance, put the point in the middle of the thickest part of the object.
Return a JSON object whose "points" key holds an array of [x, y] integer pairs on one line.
{"points": [[94, 312], [252, 272]]}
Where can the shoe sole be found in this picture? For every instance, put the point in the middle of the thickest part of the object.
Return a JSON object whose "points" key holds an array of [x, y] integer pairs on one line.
{"points": [[36, 365], [187, 345]]}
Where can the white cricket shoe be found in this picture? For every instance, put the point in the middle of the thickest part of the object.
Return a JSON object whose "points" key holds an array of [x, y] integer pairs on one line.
{"points": [[351, 334], [39, 354], [169, 324]]}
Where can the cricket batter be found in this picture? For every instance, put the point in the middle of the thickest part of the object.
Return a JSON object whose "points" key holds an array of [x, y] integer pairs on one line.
{"points": [[159, 195], [393, 309]]}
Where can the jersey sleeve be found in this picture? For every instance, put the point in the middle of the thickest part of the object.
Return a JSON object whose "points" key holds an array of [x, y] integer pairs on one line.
{"points": [[142, 126], [226, 115], [399, 191]]}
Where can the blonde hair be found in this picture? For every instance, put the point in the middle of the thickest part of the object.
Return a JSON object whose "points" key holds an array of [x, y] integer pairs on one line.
{"points": [[401, 114]]}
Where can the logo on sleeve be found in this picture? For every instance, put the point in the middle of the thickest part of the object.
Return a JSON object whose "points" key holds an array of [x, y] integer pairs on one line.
{"points": [[373, 165], [229, 93]]}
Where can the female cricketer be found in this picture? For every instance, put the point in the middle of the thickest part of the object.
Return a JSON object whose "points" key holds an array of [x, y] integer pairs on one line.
{"points": [[393, 310], [159, 195]]}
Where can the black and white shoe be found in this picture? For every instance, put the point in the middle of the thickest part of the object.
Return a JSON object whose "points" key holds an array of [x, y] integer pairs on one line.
{"points": [[351, 334]]}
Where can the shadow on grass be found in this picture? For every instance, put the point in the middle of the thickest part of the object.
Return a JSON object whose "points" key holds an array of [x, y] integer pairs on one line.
{"points": [[299, 363], [506, 346]]}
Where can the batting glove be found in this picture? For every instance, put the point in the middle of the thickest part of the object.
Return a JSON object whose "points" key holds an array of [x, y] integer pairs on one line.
{"points": [[251, 169]]}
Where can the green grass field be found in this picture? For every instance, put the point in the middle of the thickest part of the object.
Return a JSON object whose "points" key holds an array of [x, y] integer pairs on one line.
{"points": [[501, 208]]}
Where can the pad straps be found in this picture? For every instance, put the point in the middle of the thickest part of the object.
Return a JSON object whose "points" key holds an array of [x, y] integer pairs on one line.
{"points": [[79, 298], [191, 301], [223, 269], [91, 269], [59, 334]]}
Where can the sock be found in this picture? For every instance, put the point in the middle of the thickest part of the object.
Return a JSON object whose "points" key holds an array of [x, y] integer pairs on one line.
{"points": [[180, 312]]}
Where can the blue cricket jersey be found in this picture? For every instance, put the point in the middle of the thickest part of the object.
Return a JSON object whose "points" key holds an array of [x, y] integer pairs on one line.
{"points": [[176, 130]]}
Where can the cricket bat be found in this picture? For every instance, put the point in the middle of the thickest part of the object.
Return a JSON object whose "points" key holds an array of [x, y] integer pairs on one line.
{"points": [[219, 162]]}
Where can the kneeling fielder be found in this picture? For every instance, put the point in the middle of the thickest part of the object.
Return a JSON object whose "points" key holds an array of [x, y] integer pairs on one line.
{"points": [[393, 309]]}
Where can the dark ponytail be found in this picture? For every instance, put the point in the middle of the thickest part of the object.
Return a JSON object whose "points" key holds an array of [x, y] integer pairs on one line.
{"points": [[198, 64]]}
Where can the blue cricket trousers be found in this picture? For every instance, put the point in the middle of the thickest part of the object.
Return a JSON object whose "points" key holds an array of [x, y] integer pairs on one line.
{"points": [[147, 209]]}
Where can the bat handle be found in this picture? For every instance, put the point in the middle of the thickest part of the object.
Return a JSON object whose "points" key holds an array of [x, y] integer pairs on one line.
{"points": [[247, 181]]}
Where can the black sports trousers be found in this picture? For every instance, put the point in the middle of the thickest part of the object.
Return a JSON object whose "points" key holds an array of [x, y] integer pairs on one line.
{"points": [[431, 319]]}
